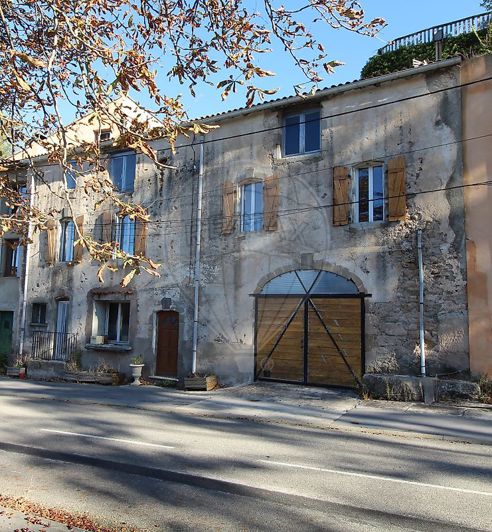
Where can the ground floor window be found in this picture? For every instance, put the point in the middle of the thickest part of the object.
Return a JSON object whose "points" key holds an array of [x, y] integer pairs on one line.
{"points": [[38, 316], [112, 321]]}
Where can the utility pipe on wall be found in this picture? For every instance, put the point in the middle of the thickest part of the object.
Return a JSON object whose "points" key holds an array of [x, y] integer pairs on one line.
{"points": [[421, 304], [26, 271], [196, 280]]}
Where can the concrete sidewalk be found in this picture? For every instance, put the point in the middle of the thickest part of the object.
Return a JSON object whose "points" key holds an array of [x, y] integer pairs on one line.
{"points": [[277, 403]]}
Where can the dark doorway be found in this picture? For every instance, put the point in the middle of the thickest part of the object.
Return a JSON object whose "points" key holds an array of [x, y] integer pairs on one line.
{"points": [[6, 325], [167, 343]]}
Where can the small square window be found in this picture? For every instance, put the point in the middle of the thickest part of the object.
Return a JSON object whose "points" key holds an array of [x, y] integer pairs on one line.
{"points": [[105, 135], [252, 207], [302, 133], [122, 170], [11, 258], [67, 240], [38, 316], [369, 191]]}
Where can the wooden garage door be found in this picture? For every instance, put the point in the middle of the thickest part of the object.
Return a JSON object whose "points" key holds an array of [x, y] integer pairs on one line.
{"points": [[311, 341], [284, 361], [342, 318]]}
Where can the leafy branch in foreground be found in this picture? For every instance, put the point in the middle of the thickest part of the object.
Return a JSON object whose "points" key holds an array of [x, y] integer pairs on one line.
{"points": [[59, 55]]}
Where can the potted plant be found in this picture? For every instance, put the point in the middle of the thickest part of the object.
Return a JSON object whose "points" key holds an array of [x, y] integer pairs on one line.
{"points": [[136, 366]]}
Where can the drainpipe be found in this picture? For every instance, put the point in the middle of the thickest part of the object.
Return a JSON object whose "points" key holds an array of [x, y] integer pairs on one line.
{"points": [[196, 280], [421, 303], [26, 271]]}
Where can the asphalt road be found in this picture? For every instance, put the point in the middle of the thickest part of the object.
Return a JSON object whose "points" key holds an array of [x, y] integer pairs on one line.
{"points": [[169, 471]]}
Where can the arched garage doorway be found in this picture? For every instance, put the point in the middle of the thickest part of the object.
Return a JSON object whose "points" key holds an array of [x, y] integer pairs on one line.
{"points": [[309, 329]]}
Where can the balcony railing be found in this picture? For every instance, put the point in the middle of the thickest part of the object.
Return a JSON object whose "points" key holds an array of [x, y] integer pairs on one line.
{"points": [[53, 345], [441, 32]]}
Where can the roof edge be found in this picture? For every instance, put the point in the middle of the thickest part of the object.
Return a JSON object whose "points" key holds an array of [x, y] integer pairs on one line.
{"points": [[323, 93]]}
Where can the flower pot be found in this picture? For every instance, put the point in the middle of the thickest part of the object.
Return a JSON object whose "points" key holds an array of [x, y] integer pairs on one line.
{"points": [[136, 373]]}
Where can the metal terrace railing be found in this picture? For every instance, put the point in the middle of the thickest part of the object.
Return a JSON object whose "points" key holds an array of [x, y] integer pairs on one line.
{"points": [[441, 32], [53, 345]]}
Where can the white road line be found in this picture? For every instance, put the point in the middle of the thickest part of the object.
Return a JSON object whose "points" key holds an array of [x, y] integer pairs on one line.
{"points": [[377, 477], [120, 440]]}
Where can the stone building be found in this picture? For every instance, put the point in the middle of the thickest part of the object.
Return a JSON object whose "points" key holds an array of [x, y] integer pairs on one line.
{"points": [[308, 260]]}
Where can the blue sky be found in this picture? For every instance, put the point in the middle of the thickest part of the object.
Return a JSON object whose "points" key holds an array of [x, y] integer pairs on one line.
{"points": [[403, 17]]}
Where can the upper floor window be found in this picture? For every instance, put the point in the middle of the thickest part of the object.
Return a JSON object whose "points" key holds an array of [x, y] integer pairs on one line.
{"points": [[122, 170], [71, 175], [12, 258], [369, 201], [104, 135], [252, 207], [302, 133], [67, 240], [125, 234]]}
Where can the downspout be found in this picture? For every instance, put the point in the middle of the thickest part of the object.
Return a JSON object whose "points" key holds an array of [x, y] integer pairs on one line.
{"points": [[26, 271], [421, 304], [198, 242]]}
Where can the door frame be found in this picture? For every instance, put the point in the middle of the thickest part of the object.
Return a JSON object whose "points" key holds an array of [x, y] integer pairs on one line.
{"points": [[305, 310]]}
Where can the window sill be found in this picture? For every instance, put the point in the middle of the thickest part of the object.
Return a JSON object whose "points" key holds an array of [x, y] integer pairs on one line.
{"points": [[38, 325], [314, 156], [360, 226], [109, 347]]}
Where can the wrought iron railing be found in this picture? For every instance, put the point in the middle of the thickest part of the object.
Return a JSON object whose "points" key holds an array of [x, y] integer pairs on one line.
{"points": [[443, 31], [53, 345]]}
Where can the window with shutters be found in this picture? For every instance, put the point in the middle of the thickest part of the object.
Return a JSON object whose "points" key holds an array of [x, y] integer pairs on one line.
{"points": [[252, 207], [67, 239], [369, 201], [122, 167], [302, 133], [11, 257], [370, 192], [124, 234]]}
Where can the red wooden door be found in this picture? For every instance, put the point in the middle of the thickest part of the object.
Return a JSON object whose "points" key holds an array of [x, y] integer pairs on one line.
{"points": [[167, 343]]}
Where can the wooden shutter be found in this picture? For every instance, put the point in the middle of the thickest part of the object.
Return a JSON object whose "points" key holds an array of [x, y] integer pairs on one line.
{"points": [[107, 226], [341, 206], [140, 237], [271, 199], [229, 203], [397, 200], [79, 247], [51, 230]]}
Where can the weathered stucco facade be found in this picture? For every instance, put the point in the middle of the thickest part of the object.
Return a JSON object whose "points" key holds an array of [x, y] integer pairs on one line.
{"points": [[424, 126], [477, 157]]}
